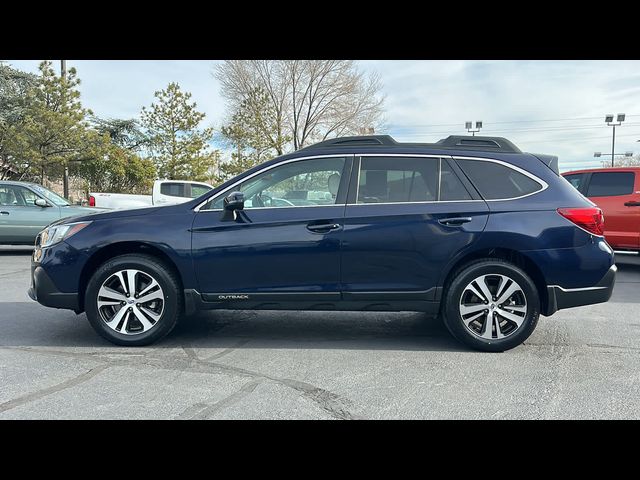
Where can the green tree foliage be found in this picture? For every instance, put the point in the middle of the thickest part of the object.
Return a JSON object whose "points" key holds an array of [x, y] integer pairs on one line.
{"points": [[179, 149], [126, 133], [51, 130], [14, 85], [109, 167]]}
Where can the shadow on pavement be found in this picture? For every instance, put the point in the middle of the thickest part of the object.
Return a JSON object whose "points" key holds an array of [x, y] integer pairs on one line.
{"points": [[29, 325]]}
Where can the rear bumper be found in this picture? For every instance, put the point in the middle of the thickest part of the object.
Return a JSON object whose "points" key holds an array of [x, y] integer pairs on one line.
{"points": [[560, 298], [45, 292]]}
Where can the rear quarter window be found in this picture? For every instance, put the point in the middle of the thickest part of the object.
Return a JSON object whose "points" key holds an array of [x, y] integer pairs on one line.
{"points": [[495, 181], [173, 189]]}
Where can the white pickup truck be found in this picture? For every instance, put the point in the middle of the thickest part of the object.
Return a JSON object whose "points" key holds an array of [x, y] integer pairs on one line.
{"points": [[165, 192]]}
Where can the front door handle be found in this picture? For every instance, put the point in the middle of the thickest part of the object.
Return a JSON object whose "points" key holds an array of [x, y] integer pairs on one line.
{"points": [[454, 221], [632, 204], [4, 213], [323, 227]]}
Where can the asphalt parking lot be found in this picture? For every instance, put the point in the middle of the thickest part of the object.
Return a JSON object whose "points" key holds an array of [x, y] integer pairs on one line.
{"points": [[582, 363]]}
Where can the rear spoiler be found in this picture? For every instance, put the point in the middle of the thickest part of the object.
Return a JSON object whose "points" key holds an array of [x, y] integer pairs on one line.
{"points": [[550, 161]]}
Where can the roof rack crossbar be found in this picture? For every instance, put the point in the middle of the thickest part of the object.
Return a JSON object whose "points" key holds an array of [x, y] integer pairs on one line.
{"points": [[495, 144]]}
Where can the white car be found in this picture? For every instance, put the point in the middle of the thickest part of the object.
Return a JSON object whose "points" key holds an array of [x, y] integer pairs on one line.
{"points": [[165, 192]]}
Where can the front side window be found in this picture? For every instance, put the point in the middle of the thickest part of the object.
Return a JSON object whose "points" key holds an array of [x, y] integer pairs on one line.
{"points": [[606, 184], [15, 196], [296, 184], [495, 181]]}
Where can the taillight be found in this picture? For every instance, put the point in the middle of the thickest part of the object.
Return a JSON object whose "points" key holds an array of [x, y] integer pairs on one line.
{"points": [[92, 201], [591, 218]]}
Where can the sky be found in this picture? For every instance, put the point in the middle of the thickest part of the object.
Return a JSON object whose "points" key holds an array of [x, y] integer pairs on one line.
{"points": [[555, 107]]}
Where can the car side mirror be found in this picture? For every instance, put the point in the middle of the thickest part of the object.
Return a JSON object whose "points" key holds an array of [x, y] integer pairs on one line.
{"points": [[41, 202], [231, 204]]}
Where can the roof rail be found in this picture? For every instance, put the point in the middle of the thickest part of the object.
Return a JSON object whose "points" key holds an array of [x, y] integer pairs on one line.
{"points": [[479, 143], [458, 142], [368, 140]]}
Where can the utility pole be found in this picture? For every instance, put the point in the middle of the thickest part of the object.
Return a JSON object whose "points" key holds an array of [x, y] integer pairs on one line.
{"points": [[65, 178]]}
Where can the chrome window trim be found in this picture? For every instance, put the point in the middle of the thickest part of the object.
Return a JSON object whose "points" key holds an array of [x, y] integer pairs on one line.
{"points": [[541, 182], [291, 160], [536, 179]]}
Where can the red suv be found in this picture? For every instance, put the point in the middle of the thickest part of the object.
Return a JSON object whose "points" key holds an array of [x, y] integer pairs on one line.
{"points": [[617, 192]]}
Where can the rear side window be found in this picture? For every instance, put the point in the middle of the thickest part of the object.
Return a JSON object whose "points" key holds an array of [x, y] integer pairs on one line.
{"points": [[495, 181], [577, 180], [606, 184], [173, 189], [398, 179], [451, 188]]}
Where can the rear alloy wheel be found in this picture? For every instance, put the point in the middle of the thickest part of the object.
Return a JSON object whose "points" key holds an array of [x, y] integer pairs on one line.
{"points": [[491, 305], [133, 299]]}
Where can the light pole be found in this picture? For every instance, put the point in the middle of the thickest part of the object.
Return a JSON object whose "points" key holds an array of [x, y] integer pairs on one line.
{"points": [[609, 121], [467, 125], [600, 154]]}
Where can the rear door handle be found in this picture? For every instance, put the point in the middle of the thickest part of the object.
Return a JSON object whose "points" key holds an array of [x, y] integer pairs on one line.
{"points": [[323, 227], [4, 213], [632, 204], [454, 221]]}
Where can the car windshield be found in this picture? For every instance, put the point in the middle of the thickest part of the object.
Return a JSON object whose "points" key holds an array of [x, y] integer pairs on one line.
{"points": [[57, 200]]}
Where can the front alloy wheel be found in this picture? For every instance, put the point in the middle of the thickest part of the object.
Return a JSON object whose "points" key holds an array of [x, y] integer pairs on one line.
{"points": [[134, 299], [130, 302]]}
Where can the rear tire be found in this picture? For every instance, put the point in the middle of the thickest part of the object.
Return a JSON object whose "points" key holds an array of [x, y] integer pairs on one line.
{"points": [[491, 305], [134, 300]]}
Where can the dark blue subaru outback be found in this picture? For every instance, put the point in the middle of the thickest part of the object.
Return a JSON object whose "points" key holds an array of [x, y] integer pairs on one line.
{"points": [[469, 228]]}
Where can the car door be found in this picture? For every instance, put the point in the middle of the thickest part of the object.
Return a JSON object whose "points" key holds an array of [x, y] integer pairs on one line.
{"points": [[406, 217], [285, 245], [617, 193], [20, 218]]}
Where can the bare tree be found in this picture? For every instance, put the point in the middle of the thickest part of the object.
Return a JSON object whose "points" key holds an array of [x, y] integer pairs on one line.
{"points": [[312, 100], [623, 162]]}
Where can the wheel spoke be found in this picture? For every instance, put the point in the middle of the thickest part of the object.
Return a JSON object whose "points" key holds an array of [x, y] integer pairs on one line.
{"points": [[473, 317], [148, 288], [131, 280], [151, 313], [508, 293], [482, 283], [488, 327], [106, 292], [146, 324], [476, 292], [120, 277], [498, 329], [125, 322], [467, 309], [157, 295], [115, 320], [511, 316], [515, 308]]}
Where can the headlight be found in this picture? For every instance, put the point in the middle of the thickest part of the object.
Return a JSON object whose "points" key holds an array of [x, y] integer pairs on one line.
{"points": [[57, 233]]}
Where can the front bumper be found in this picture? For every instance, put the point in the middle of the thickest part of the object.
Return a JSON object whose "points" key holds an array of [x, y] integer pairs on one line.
{"points": [[560, 298], [45, 292]]}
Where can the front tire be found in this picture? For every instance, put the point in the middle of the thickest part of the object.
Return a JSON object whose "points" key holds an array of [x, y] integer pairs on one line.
{"points": [[133, 300], [491, 305]]}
